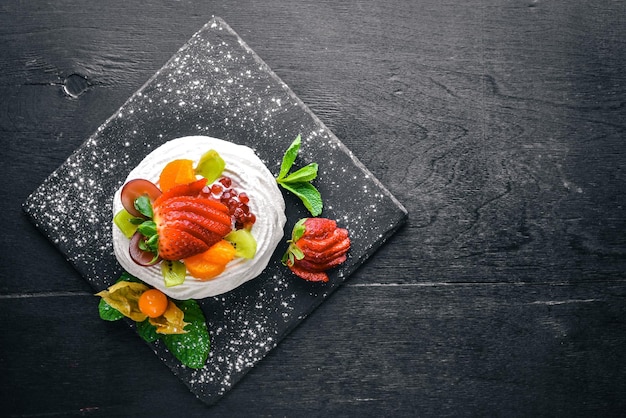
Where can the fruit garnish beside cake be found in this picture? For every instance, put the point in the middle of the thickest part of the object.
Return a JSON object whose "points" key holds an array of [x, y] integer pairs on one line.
{"points": [[197, 217], [316, 245]]}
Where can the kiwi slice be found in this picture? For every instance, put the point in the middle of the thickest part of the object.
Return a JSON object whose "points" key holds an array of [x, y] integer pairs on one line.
{"points": [[244, 243], [124, 221], [210, 166], [174, 272]]}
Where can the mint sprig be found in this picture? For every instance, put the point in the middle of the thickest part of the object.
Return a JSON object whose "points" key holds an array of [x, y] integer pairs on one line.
{"points": [[143, 205], [299, 182]]}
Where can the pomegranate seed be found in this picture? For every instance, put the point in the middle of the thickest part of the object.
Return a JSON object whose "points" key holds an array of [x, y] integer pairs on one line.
{"points": [[235, 201], [216, 189], [226, 181]]}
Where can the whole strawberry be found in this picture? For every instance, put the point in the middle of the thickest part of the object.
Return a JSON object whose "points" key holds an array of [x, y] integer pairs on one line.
{"points": [[316, 245]]}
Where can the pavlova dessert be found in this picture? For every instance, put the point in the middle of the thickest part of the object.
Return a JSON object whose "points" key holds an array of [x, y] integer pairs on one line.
{"points": [[189, 196]]}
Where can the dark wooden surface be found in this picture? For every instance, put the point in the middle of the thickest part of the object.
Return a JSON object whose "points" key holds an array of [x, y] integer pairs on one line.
{"points": [[499, 125]]}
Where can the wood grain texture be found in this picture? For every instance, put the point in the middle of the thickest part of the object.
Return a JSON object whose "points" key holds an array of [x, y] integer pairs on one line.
{"points": [[499, 126]]}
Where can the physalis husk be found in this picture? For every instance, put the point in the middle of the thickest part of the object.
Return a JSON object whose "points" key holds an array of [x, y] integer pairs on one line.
{"points": [[171, 322], [124, 297]]}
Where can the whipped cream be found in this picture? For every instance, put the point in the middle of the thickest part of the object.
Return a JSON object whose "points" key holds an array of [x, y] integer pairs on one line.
{"points": [[249, 174]]}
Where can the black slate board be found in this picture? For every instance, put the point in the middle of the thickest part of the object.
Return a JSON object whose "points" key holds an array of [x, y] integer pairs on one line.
{"points": [[216, 85]]}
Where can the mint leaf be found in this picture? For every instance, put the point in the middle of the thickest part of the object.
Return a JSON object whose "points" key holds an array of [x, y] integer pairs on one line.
{"points": [[136, 221], [191, 349], [143, 205], [289, 157], [128, 277], [107, 312], [309, 195], [153, 244], [148, 229], [306, 173], [147, 331]]}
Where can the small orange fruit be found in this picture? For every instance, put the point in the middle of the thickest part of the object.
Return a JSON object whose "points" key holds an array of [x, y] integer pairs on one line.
{"points": [[153, 303]]}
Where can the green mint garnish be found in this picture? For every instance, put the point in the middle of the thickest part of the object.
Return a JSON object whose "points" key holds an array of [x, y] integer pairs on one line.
{"points": [[309, 195], [298, 182], [289, 157], [147, 331], [191, 348], [136, 221], [147, 229], [143, 205], [151, 243], [304, 174], [107, 312]]}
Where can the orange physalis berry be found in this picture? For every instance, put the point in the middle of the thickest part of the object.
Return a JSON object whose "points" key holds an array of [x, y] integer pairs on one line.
{"points": [[153, 303]]}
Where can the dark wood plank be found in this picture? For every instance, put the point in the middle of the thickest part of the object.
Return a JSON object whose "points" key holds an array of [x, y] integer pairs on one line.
{"points": [[372, 350]]}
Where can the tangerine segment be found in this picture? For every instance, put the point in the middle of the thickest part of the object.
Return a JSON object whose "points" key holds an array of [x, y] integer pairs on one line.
{"points": [[212, 262], [175, 173]]}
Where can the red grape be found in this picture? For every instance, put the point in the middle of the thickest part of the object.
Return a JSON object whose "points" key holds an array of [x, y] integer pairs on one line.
{"points": [[139, 256], [137, 188]]}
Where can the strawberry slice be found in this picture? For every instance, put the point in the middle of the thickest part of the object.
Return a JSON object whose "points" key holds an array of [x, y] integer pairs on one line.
{"points": [[327, 256], [319, 227], [321, 247], [314, 266], [311, 276], [188, 222], [176, 244], [334, 242], [201, 207]]}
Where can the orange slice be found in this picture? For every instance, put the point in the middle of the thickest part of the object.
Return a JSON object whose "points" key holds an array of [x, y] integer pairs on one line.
{"points": [[175, 173], [212, 262]]}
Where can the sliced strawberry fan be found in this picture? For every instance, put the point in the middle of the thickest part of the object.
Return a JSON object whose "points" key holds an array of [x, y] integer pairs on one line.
{"points": [[322, 246]]}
